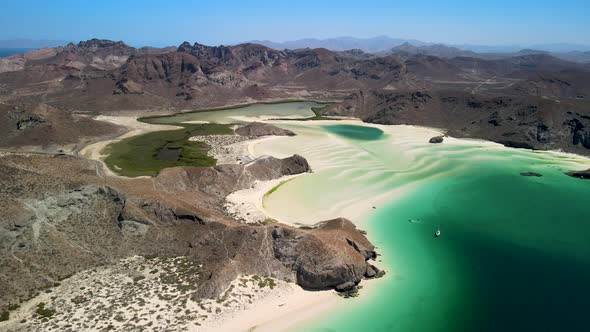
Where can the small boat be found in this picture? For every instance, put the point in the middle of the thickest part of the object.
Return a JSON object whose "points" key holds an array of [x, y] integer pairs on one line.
{"points": [[437, 232]]}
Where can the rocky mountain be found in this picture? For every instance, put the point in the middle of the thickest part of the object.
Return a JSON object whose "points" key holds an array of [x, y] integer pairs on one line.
{"points": [[98, 75], [45, 128], [438, 50], [96, 54], [77, 219], [449, 52]]}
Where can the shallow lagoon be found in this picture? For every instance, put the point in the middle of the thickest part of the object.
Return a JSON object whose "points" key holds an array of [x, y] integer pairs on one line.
{"points": [[255, 112]]}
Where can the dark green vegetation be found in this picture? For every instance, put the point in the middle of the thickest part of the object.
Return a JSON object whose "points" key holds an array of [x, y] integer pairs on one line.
{"points": [[44, 312], [356, 132], [147, 154], [264, 281], [5, 315]]}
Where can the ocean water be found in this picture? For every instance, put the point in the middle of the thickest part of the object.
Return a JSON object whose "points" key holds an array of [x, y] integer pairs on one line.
{"points": [[514, 253], [4, 52]]}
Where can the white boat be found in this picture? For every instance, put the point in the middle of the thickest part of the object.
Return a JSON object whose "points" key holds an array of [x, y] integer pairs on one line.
{"points": [[437, 232]]}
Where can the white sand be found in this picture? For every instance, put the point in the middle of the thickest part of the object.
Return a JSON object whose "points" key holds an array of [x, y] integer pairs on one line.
{"points": [[280, 310], [130, 295], [324, 153]]}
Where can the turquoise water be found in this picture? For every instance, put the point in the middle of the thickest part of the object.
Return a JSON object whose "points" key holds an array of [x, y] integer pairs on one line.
{"points": [[514, 254], [355, 132]]}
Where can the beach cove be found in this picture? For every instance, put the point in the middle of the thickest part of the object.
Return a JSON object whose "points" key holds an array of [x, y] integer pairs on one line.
{"points": [[513, 248]]}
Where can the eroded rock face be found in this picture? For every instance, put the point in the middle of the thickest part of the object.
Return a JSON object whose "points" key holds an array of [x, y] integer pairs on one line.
{"points": [[332, 255], [258, 129], [270, 168], [76, 220], [46, 128]]}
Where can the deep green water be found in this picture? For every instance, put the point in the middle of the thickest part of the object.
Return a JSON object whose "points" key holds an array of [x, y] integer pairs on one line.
{"points": [[514, 254]]}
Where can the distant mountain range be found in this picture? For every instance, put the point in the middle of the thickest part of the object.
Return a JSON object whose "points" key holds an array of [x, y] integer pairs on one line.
{"points": [[378, 45], [444, 51], [382, 45], [371, 45]]}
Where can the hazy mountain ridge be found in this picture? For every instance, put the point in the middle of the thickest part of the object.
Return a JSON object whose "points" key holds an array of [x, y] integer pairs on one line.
{"points": [[384, 44]]}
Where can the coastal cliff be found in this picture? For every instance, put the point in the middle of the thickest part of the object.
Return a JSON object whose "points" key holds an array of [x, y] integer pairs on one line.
{"points": [[77, 220]]}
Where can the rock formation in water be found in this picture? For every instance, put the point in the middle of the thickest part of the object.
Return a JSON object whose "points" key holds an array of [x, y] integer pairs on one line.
{"points": [[580, 174], [531, 174]]}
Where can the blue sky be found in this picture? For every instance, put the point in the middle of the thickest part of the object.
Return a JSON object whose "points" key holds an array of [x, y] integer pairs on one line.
{"points": [[151, 22]]}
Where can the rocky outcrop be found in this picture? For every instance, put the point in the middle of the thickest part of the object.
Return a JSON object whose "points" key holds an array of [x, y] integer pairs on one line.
{"points": [[75, 221], [436, 139], [29, 122], [45, 128], [325, 257], [258, 129], [580, 174], [219, 181], [270, 168], [128, 87], [531, 174]]}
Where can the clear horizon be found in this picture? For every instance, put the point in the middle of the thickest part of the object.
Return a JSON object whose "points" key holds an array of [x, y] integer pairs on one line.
{"points": [[162, 23]]}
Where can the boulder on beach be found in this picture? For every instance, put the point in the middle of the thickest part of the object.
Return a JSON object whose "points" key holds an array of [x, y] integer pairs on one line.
{"points": [[436, 139]]}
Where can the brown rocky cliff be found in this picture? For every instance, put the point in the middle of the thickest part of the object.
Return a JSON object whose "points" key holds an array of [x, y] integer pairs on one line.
{"points": [[82, 221]]}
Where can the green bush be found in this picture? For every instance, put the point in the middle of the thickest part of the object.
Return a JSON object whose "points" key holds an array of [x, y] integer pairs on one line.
{"points": [[44, 312]]}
